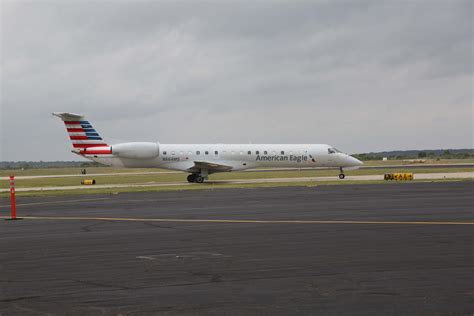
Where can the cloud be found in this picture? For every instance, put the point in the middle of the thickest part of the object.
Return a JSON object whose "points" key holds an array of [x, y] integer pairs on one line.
{"points": [[364, 76]]}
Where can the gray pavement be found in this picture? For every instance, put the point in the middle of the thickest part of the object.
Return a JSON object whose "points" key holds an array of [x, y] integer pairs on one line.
{"points": [[344, 266]]}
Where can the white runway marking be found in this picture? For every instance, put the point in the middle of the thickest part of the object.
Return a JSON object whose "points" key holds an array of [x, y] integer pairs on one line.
{"points": [[146, 258]]}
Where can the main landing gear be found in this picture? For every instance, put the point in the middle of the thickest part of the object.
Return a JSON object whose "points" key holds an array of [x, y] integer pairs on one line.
{"points": [[341, 175], [195, 178]]}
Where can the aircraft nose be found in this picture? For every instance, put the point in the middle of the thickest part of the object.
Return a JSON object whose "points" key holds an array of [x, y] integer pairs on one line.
{"points": [[354, 161]]}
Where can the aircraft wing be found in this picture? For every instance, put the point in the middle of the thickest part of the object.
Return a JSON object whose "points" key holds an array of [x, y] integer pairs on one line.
{"points": [[210, 166]]}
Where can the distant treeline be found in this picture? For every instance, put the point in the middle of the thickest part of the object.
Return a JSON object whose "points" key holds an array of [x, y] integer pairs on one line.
{"points": [[396, 154], [418, 154]]}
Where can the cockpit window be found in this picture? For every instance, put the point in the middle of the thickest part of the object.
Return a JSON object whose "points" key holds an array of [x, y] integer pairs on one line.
{"points": [[333, 150]]}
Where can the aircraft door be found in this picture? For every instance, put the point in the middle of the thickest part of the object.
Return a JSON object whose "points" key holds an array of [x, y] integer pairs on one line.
{"points": [[305, 158], [311, 158], [330, 159]]}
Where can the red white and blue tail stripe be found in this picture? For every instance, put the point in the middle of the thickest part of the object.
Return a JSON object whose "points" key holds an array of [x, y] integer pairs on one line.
{"points": [[84, 137]]}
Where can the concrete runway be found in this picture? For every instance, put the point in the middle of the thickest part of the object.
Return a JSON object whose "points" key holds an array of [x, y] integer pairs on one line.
{"points": [[392, 249]]}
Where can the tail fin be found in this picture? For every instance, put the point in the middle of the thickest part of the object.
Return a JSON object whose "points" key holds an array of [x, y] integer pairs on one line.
{"points": [[80, 131]]}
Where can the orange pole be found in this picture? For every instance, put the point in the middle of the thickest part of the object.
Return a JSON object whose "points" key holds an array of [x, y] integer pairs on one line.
{"points": [[12, 196]]}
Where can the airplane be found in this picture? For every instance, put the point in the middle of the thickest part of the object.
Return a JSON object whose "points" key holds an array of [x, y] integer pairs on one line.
{"points": [[200, 160]]}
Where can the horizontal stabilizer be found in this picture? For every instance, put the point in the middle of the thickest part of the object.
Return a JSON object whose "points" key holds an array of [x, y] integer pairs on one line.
{"points": [[68, 116]]}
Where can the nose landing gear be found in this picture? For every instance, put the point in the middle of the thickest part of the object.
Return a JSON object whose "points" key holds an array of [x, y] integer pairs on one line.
{"points": [[341, 175]]}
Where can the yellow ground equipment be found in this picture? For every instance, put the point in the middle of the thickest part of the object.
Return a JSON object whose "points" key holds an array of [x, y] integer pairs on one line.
{"points": [[398, 176], [88, 182]]}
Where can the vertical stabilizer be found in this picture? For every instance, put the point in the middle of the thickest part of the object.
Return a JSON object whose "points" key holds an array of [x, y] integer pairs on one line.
{"points": [[81, 132]]}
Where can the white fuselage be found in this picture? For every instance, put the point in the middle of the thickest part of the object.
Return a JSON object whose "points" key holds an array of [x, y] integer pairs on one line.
{"points": [[237, 156], [199, 160]]}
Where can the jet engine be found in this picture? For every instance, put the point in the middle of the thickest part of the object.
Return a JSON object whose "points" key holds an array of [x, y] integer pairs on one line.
{"points": [[137, 150]]}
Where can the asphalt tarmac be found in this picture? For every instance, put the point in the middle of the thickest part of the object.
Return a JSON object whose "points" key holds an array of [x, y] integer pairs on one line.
{"points": [[392, 249]]}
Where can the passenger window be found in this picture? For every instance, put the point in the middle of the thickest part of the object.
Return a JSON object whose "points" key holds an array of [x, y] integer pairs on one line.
{"points": [[257, 152], [282, 152], [189, 153], [198, 152], [265, 152], [241, 152], [233, 153], [181, 153], [207, 153], [249, 152], [164, 153], [172, 153], [216, 152]]}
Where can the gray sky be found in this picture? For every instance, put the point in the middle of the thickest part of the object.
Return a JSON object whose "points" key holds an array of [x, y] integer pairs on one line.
{"points": [[360, 75]]}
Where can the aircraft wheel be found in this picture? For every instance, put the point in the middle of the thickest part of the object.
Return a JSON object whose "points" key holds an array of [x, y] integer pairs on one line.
{"points": [[342, 176], [199, 179], [191, 178]]}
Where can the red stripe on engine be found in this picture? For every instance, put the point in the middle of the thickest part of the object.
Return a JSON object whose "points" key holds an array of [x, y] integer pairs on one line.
{"points": [[75, 130], [78, 137], [96, 152], [72, 122], [89, 145]]}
